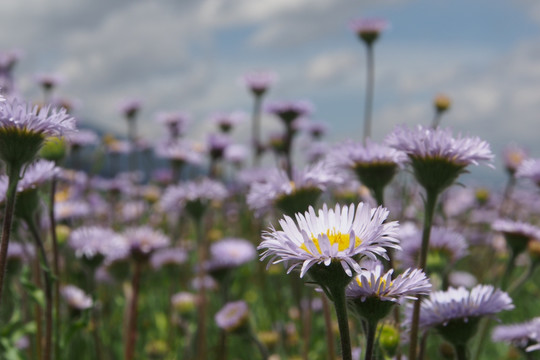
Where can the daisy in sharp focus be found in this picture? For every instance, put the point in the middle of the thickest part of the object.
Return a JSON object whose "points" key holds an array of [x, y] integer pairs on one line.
{"points": [[340, 235]]}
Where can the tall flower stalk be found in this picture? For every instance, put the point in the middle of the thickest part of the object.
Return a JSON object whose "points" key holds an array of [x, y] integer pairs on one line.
{"points": [[368, 31]]}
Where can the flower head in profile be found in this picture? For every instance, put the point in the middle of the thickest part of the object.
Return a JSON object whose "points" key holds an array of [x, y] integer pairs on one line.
{"points": [[83, 137], [373, 282], [332, 236], [521, 335], [48, 81], [513, 157], [517, 233], [228, 121], [233, 317], [230, 253], [130, 108], [144, 240], [259, 82], [24, 128], [75, 298], [455, 313], [438, 158], [291, 196], [289, 111], [194, 196], [95, 243], [168, 256], [176, 123], [530, 169], [373, 292], [369, 29], [374, 164]]}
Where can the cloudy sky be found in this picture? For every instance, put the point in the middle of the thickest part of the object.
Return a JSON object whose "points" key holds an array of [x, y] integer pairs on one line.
{"points": [[188, 55]]}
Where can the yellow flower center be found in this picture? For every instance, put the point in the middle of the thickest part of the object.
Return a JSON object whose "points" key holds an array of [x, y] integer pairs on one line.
{"points": [[343, 241], [382, 284]]}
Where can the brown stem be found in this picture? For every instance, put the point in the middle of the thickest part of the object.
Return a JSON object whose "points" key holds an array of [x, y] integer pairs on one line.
{"points": [[56, 267]]}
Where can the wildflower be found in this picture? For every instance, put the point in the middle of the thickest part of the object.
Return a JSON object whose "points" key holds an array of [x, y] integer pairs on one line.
{"points": [[130, 108], [95, 243], [517, 233], [513, 157], [230, 253], [441, 103], [259, 82], [291, 195], [338, 235], [76, 298], [168, 256], [520, 335], [24, 129], [436, 157], [144, 240], [233, 317], [176, 123], [184, 302], [288, 111], [48, 81], [530, 169], [374, 293], [455, 313], [226, 122], [368, 29], [83, 137]]}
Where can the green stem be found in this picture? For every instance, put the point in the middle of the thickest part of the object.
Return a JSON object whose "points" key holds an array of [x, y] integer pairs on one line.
{"points": [[370, 340], [255, 137], [48, 287], [522, 279], [370, 85], [56, 267], [431, 201], [461, 352], [508, 270], [340, 304], [11, 194], [203, 302]]}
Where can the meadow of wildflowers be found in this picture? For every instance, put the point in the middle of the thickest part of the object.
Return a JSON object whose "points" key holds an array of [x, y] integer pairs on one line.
{"points": [[116, 247]]}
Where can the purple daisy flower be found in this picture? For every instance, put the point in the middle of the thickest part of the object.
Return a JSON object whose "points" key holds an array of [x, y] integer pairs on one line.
{"points": [[259, 82], [233, 316], [334, 235], [144, 240], [436, 156], [227, 121], [530, 169], [176, 123], [177, 197], [48, 81], [236, 154], [76, 298], [94, 241], [83, 137], [168, 256], [288, 111], [180, 151], [230, 253], [520, 334], [517, 233], [445, 310], [513, 157], [373, 283], [16, 115], [291, 196], [216, 145], [71, 209], [130, 107], [368, 29]]}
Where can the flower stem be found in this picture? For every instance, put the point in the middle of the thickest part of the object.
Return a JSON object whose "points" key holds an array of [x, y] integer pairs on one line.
{"points": [[48, 287], [132, 314], [431, 201], [370, 85], [255, 136], [11, 194], [370, 340], [56, 267], [202, 308], [260, 346], [461, 352], [340, 304]]}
